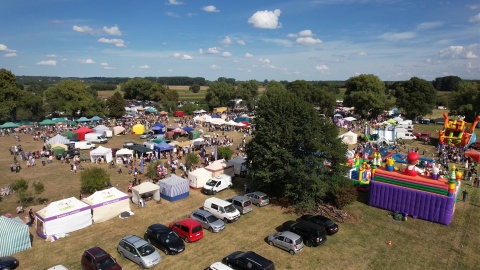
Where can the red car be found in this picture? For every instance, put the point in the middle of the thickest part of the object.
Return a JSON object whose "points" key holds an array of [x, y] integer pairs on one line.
{"points": [[96, 258], [188, 229]]}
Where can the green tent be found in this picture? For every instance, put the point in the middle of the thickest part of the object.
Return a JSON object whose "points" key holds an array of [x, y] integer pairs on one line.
{"points": [[9, 125], [160, 141], [46, 122], [71, 135], [58, 151], [25, 122], [73, 123], [14, 236], [195, 134], [60, 120]]}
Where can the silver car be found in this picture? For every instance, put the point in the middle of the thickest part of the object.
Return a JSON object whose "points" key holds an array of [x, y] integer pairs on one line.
{"points": [[242, 203], [258, 198], [138, 251], [208, 220], [289, 241]]}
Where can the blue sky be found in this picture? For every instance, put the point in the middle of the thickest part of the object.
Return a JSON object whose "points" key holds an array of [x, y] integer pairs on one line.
{"points": [[242, 39]]}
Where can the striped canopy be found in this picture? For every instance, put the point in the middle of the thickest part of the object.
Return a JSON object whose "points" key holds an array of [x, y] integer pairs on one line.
{"points": [[14, 236]]}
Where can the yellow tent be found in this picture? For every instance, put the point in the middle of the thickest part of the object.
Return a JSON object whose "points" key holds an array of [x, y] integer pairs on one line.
{"points": [[59, 145], [138, 129]]}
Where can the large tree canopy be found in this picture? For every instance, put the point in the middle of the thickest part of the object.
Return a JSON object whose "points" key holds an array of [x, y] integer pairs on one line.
{"points": [[465, 100], [291, 144], [72, 98], [447, 83], [219, 94], [416, 97], [320, 97], [116, 105], [367, 94]]}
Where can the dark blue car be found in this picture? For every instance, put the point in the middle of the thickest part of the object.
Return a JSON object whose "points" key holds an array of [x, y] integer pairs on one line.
{"points": [[8, 262]]}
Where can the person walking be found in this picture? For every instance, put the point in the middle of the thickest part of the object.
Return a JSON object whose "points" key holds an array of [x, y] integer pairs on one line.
{"points": [[464, 193]]}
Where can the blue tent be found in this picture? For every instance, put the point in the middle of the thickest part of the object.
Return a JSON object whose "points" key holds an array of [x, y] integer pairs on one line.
{"points": [[174, 188], [83, 119], [163, 146], [96, 118], [158, 128], [214, 115], [188, 129]]}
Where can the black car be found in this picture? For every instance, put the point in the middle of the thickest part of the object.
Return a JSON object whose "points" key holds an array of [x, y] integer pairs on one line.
{"points": [[248, 260], [313, 235], [8, 262], [164, 239], [68, 154], [329, 225]]}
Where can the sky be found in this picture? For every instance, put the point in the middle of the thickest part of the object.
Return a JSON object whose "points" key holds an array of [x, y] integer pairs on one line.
{"points": [[242, 39]]}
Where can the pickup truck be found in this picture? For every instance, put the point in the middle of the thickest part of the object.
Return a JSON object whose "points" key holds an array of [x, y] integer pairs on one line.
{"points": [[423, 136]]}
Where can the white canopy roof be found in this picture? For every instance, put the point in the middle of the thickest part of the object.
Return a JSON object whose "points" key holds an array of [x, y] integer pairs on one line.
{"points": [[118, 129], [101, 152], [145, 187], [124, 151], [108, 203]]}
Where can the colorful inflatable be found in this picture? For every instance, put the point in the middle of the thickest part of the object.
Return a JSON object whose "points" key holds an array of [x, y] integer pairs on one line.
{"points": [[458, 132]]}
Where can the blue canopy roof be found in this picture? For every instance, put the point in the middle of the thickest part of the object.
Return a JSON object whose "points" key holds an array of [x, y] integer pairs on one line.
{"points": [[96, 118], [163, 146], [83, 119], [188, 129]]}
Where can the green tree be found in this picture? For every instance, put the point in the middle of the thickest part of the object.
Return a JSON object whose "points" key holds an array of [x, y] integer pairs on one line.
{"points": [[93, 179], [416, 97], [72, 97], [25, 196], [320, 97], [152, 172], [137, 88], [465, 100], [367, 94], [191, 159], [116, 105], [194, 88], [247, 91], [225, 153], [219, 94], [290, 146], [447, 83], [9, 95]]}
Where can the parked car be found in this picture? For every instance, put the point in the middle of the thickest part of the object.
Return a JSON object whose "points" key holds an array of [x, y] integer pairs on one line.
{"points": [[8, 262], [217, 184], [289, 241], [476, 145], [68, 154], [219, 266], [329, 225], [146, 134], [164, 238], [58, 267], [96, 258], [313, 235], [188, 229], [258, 198], [138, 251], [248, 260], [129, 144], [208, 220], [242, 203], [221, 209]]}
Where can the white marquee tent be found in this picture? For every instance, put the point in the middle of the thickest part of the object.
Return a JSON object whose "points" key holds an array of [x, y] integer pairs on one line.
{"points": [[199, 177], [101, 151], [220, 167], [62, 217], [117, 130], [349, 137], [124, 152], [107, 204], [237, 163], [145, 189], [59, 138]]}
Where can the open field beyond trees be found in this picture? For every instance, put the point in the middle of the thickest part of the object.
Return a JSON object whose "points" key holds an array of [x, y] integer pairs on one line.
{"points": [[360, 244]]}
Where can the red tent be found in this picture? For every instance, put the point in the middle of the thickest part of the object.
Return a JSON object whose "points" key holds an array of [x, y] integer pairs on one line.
{"points": [[82, 131], [473, 154], [179, 114]]}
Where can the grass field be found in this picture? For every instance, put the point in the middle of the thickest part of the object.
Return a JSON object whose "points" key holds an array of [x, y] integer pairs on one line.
{"points": [[360, 244]]}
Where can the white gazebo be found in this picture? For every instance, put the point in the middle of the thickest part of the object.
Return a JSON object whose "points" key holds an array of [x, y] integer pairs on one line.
{"points": [[101, 151]]}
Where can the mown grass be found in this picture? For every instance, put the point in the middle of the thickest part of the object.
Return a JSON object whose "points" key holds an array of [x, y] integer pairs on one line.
{"points": [[362, 244]]}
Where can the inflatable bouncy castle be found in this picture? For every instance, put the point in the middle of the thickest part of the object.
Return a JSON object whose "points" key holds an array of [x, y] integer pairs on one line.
{"points": [[458, 132], [415, 192]]}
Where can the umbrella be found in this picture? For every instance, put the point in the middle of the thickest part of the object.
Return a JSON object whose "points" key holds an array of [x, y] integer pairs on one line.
{"points": [[178, 130], [163, 113]]}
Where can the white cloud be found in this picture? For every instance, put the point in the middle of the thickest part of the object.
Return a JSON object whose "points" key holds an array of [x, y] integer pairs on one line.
{"points": [[322, 68], [118, 42], [186, 57], [227, 41], [305, 33], [83, 29], [248, 55], [114, 31], [266, 19], [144, 67], [172, 14], [475, 18], [10, 55], [429, 25], [51, 56], [226, 54], [174, 2], [210, 9], [86, 61], [397, 36], [213, 50], [264, 60], [471, 55], [278, 41], [362, 53], [104, 64], [4, 48], [47, 63], [292, 35], [241, 42], [215, 67], [56, 21], [474, 6], [308, 41], [200, 51]]}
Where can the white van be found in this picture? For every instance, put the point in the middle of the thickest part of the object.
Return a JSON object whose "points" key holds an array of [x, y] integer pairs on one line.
{"points": [[217, 184], [221, 209], [96, 138], [407, 127], [405, 135], [84, 145]]}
